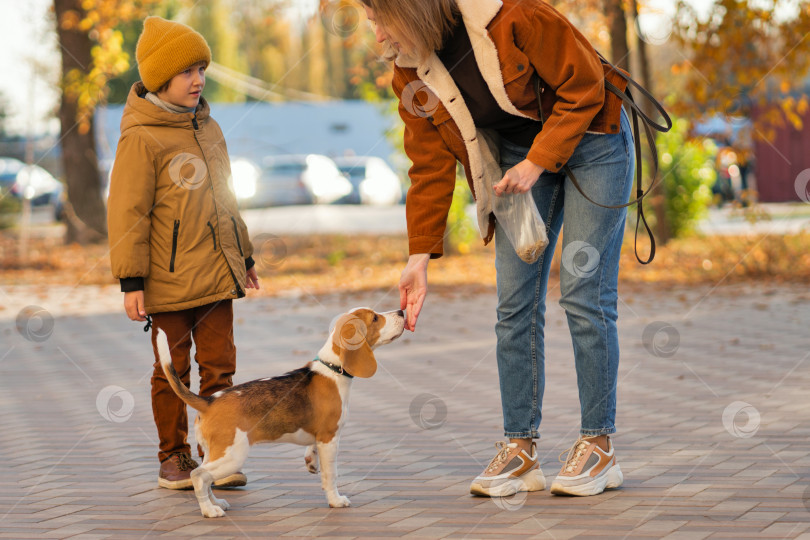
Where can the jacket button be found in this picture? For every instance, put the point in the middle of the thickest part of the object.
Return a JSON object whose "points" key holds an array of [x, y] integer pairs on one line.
{"points": [[614, 127], [558, 165], [233, 291], [520, 67], [430, 118]]}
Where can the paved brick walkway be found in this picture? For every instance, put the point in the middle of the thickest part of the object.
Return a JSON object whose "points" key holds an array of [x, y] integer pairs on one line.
{"points": [[714, 423]]}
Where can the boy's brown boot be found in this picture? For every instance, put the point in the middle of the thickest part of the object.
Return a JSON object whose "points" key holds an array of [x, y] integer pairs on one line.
{"points": [[175, 471]]}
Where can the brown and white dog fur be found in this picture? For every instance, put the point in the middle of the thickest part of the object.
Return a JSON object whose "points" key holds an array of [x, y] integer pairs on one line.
{"points": [[307, 406]]}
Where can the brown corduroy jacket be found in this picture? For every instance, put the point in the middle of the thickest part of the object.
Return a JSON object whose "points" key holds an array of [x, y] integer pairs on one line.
{"points": [[514, 41], [173, 220]]}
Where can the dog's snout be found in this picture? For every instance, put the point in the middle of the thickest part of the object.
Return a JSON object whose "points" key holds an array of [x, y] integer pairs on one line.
{"points": [[400, 313]]}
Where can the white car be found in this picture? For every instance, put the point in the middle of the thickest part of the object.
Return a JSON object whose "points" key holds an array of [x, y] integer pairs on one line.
{"points": [[374, 182], [288, 179], [30, 182]]}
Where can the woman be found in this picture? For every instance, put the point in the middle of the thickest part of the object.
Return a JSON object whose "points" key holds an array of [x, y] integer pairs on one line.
{"points": [[467, 68]]}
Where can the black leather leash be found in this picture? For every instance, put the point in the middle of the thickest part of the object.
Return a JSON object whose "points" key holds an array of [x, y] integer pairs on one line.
{"points": [[649, 124]]}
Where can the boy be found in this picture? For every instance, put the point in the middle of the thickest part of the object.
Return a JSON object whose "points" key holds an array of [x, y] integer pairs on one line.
{"points": [[177, 242]]}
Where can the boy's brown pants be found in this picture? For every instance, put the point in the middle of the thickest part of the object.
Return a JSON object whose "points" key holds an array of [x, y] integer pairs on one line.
{"points": [[211, 326]]}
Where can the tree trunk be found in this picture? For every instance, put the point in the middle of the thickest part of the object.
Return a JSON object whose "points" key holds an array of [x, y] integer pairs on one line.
{"points": [[617, 26], [86, 213], [663, 230]]}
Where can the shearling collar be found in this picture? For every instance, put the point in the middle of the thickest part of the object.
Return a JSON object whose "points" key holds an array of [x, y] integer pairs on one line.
{"points": [[476, 14], [484, 162]]}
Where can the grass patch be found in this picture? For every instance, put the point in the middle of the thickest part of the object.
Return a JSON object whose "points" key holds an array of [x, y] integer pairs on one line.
{"points": [[325, 264]]}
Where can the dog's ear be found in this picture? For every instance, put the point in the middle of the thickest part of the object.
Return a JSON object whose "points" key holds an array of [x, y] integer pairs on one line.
{"points": [[349, 343]]}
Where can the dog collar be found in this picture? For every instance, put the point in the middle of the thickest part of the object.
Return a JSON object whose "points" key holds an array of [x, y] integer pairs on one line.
{"points": [[337, 369]]}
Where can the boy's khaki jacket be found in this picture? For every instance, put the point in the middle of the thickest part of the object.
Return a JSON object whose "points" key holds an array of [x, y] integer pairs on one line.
{"points": [[514, 43], [171, 215]]}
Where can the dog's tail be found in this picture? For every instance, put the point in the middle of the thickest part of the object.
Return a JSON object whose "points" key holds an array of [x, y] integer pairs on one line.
{"points": [[191, 399]]}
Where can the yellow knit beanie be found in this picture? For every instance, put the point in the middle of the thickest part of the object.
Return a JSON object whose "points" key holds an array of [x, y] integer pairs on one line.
{"points": [[166, 48]]}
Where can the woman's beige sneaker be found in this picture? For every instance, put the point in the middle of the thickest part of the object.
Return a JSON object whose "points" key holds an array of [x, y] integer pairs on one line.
{"points": [[510, 471], [237, 479], [588, 470]]}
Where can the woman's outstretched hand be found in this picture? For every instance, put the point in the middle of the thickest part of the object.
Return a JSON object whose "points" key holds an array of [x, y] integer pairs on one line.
{"points": [[413, 288], [519, 179]]}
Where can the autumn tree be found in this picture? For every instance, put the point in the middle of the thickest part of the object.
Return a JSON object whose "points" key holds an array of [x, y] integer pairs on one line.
{"points": [[264, 39], [91, 55], [746, 56], [214, 19]]}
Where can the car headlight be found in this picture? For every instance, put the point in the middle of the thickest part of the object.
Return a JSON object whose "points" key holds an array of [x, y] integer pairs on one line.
{"points": [[244, 177]]}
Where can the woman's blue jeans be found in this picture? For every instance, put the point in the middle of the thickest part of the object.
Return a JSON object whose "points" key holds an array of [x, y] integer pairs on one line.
{"points": [[591, 244]]}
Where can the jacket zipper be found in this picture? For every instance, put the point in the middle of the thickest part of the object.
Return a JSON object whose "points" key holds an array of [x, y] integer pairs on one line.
{"points": [[174, 244], [236, 231], [213, 234], [177, 223], [540, 107]]}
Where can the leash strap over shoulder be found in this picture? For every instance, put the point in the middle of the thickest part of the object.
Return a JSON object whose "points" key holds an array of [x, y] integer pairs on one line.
{"points": [[627, 98]]}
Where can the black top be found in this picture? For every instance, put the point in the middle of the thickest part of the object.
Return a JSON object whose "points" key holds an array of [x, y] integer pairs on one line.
{"points": [[457, 56]]}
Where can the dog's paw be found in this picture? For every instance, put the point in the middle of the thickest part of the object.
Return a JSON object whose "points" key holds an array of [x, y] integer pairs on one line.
{"points": [[340, 502], [213, 511], [311, 459], [222, 503], [312, 464]]}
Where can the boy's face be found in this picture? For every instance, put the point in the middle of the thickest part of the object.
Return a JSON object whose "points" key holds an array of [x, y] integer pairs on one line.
{"points": [[185, 88]]}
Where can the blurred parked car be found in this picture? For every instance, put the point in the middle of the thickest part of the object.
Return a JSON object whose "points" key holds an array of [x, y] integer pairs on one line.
{"points": [[373, 181], [30, 182], [8, 173], [288, 179]]}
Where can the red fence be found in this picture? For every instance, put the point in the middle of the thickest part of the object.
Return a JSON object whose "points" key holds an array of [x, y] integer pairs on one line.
{"points": [[779, 162]]}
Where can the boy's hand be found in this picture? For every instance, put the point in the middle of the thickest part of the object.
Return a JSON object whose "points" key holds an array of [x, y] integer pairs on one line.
{"points": [[134, 305], [252, 281]]}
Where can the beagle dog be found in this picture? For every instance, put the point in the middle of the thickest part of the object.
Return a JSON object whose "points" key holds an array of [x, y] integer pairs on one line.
{"points": [[307, 406]]}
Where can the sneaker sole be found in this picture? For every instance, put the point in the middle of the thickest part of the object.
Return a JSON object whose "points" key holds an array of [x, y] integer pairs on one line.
{"points": [[613, 478], [175, 484], [531, 481], [232, 481]]}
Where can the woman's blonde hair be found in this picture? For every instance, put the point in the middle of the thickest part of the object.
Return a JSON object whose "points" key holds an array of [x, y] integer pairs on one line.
{"points": [[421, 24]]}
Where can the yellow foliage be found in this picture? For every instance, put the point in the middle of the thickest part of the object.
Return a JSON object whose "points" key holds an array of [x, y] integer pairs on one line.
{"points": [[99, 20], [803, 105], [742, 46]]}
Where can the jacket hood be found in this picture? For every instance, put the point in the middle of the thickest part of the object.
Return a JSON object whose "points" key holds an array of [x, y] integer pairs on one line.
{"points": [[140, 112]]}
